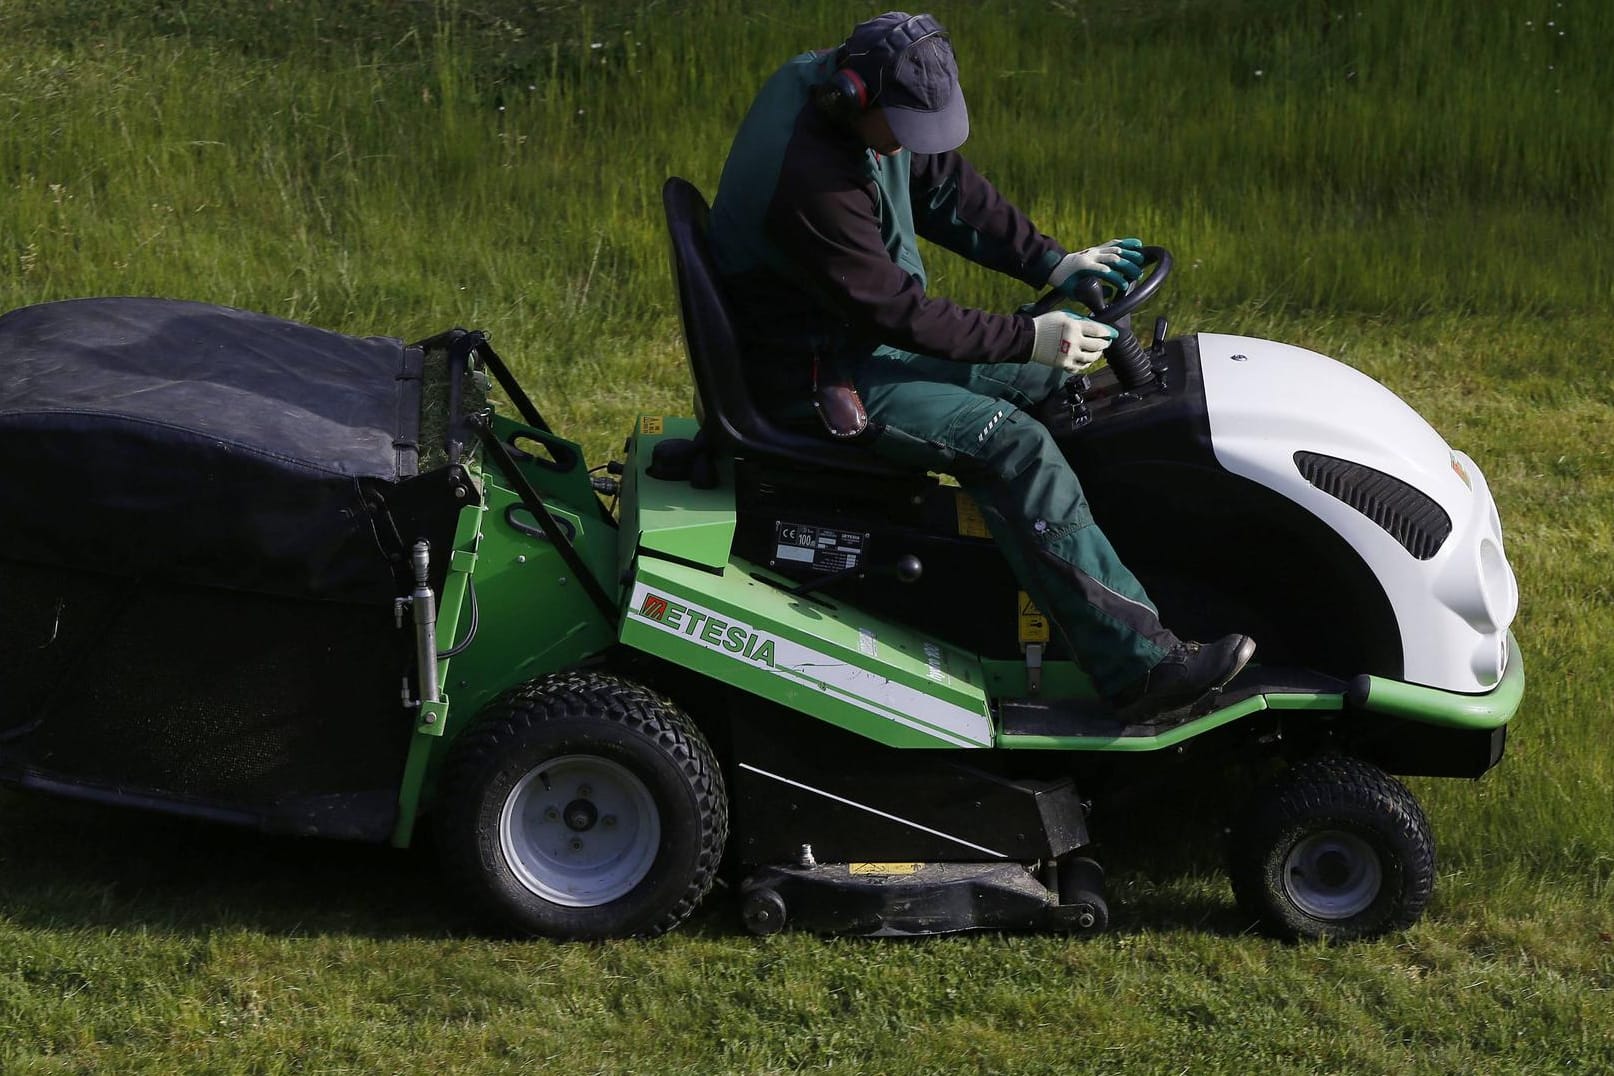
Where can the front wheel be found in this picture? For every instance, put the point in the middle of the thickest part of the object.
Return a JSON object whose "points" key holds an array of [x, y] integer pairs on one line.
{"points": [[583, 806], [1335, 848]]}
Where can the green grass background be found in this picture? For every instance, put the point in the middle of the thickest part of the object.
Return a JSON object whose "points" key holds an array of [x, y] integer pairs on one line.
{"points": [[1418, 188]]}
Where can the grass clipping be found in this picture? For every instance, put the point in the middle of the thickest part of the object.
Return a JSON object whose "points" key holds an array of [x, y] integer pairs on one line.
{"points": [[440, 421]]}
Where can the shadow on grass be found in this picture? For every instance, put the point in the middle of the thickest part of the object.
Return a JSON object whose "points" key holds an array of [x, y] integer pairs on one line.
{"points": [[70, 865], [74, 865], [77, 865], [1163, 908]]}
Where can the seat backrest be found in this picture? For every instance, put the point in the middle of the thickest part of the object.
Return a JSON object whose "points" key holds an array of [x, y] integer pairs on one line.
{"points": [[730, 418]]}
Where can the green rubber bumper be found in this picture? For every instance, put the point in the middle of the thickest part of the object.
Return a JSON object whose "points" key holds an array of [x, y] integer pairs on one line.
{"points": [[1449, 709]]}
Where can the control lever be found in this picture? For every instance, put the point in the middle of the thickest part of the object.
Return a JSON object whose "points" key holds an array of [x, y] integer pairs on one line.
{"points": [[1075, 390], [1157, 349]]}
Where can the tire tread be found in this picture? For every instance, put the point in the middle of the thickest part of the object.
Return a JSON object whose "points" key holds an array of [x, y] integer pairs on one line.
{"points": [[596, 696], [1347, 789]]}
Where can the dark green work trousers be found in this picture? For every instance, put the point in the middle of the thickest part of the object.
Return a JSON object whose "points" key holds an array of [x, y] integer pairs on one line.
{"points": [[967, 420]]}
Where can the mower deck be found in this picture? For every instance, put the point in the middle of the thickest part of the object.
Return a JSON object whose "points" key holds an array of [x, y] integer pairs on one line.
{"points": [[885, 900]]}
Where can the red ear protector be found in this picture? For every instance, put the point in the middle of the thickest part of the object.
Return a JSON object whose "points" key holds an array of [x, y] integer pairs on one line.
{"points": [[846, 96]]}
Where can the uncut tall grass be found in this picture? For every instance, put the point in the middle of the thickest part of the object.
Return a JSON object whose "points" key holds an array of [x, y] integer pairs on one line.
{"points": [[400, 164], [1419, 188]]}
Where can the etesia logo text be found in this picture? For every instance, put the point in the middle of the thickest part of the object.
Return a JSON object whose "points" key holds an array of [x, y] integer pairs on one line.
{"points": [[735, 638]]}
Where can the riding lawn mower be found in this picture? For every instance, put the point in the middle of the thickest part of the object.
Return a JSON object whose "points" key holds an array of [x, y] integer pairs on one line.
{"points": [[265, 574]]}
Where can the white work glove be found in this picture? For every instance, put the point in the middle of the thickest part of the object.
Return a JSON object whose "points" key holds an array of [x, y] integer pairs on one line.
{"points": [[1069, 342], [1118, 262]]}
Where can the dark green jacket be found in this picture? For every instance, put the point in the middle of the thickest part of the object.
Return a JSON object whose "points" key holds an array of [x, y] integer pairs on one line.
{"points": [[814, 234]]}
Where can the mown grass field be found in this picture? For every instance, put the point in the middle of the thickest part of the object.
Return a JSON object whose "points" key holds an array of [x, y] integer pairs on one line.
{"points": [[1420, 189]]}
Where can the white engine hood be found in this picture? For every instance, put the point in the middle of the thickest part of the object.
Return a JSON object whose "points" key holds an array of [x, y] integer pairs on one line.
{"points": [[1266, 401]]}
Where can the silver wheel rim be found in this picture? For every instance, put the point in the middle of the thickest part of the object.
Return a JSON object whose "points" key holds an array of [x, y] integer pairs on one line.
{"points": [[580, 830], [1332, 875]]}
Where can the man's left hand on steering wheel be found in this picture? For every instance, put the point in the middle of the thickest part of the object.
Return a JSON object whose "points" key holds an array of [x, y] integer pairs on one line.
{"points": [[1118, 262]]}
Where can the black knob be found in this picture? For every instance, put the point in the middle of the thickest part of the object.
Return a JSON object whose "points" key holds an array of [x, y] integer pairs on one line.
{"points": [[1090, 294], [908, 568]]}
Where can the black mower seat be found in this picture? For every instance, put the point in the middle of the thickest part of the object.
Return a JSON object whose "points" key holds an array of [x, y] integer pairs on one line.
{"points": [[730, 421]]}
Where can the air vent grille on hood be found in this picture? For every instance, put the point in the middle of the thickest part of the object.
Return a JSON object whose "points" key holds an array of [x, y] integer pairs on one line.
{"points": [[1407, 515]]}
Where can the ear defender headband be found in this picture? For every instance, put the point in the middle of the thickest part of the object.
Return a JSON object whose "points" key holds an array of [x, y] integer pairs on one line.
{"points": [[846, 96]]}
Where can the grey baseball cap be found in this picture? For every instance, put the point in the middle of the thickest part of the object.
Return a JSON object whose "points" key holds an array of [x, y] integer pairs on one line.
{"points": [[907, 64]]}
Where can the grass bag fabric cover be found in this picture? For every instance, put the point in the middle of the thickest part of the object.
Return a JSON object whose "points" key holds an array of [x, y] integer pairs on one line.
{"points": [[182, 440]]}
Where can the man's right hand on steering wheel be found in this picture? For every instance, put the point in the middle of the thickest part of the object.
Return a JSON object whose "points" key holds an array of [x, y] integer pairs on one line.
{"points": [[1069, 342], [1118, 262]]}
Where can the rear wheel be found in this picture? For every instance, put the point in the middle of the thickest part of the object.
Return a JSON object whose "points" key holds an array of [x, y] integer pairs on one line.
{"points": [[1335, 848], [583, 806]]}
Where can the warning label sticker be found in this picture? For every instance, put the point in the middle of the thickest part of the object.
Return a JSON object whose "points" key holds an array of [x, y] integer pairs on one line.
{"points": [[1033, 625], [651, 424], [883, 868], [971, 524]]}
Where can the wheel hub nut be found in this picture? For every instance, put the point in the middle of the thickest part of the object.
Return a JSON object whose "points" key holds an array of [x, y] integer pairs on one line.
{"points": [[581, 815], [1333, 870]]}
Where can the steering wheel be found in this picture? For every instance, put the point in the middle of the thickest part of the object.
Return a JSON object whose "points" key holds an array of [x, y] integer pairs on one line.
{"points": [[1090, 293]]}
